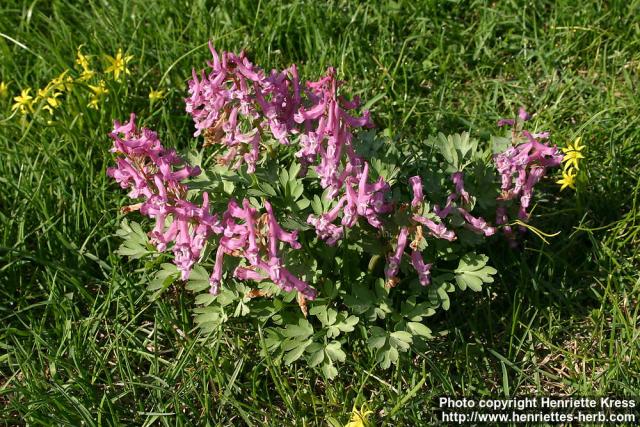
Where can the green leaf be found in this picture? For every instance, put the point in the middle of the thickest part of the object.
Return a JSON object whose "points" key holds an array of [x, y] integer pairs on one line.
{"points": [[334, 351], [329, 370], [205, 299], [316, 205], [302, 330], [228, 186], [458, 150], [472, 272], [284, 178], [419, 329], [500, 144], [316, 355], [315, 358], [135, 241], [297, 352], [303, 204], [401, 340], [209, 318], [198, 279], [387, 355], [242, 309], [346, 324], [162, 280], [296, 189], [326, 316], [415, 312], [294, 170], [378, 338]]}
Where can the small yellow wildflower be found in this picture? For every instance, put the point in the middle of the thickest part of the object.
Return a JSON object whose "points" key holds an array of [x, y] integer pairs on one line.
{"points": [[572, 153], [24, 102], [156, 95], [568, 179], [118, 65], [99, 91], [83, 61], [86, 75], [52, 102], [50, 95], [4, 89], [62, 82], [359, 417]]}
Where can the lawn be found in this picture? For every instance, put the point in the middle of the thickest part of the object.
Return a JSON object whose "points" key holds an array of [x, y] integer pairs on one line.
{"points": [[82, 343]]}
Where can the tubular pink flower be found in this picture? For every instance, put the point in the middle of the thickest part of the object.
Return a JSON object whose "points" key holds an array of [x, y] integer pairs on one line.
{"points": [[458, 181], [446, 211], [423, 270], [523, 115], [277, 232], [478, 225], [251, 252], [437, 230], [244, 273], [216, 275], [393, 261], [416, 187]]}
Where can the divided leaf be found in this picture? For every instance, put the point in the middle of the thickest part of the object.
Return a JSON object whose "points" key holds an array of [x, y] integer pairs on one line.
{"points": [[473, 271]]}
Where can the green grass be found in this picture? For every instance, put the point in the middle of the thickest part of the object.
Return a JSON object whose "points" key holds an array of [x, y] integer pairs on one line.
{"points": [[81, 343]]}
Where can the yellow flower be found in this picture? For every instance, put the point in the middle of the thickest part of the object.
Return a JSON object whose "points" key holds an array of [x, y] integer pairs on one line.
{"points": [[568, 179], [83, 61], [86, 75], [118, 64], [572, 153], [99, 91], [4, 89], [156, 95], [62, 82], [51, 99], [24, 102], [52, 102], [359, 417]]}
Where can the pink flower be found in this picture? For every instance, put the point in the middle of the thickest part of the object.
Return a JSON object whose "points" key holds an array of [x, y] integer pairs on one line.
{"points": [[216, 275], [458, 181], [423, 270], [478, 225], [393, 261], [416, 187], [521, 167], [437, 230], [523, 115], [152, 173]]}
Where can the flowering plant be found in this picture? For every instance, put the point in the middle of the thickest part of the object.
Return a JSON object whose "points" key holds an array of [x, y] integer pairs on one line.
{"points": [[300, 216]]}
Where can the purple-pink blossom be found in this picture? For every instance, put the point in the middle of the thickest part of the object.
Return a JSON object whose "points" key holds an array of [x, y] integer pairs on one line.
{"points": [[157, 175], [423, 270], [521, 167]]}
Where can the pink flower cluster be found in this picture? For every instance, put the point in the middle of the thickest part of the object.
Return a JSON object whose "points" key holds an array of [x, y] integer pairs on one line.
{"points": [[147, 168], [327, 133], [241, 108], [477, 225], [256, 240], [436, 229], [237, 104], [521, 167], [394, 259], [151, 172], [359, 199]]}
